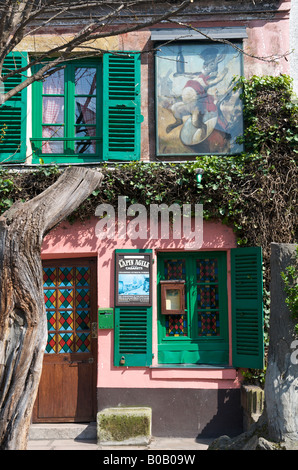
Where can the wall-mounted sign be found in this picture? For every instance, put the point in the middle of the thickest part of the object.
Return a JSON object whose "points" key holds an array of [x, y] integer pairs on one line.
{"points": [[133, 279]]}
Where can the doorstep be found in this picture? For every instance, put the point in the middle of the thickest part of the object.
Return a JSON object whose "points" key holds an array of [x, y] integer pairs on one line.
{"points": [[49, 431]]}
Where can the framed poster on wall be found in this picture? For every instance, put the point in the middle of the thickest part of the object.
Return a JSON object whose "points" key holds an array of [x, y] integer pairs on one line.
{"points": [[198, 108], [133, 279]]}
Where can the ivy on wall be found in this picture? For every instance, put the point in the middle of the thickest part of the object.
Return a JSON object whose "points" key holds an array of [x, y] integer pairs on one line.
{"points": [[255, 192]]}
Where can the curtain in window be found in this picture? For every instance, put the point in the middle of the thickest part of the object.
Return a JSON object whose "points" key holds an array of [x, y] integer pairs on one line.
{"points": [[53, 112]]}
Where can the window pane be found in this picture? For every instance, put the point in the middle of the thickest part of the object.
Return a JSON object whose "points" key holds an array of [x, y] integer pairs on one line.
{"points": [[208, 323], [208, 297], [54, 132], [52, 110], [85, 81], [54, 84], [207, 270], [175, 269], [85, 146], [67, 301], [85, 110]]}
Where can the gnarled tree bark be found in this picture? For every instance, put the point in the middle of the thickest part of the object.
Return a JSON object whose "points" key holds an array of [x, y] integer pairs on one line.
{"points": [[23, 323]]}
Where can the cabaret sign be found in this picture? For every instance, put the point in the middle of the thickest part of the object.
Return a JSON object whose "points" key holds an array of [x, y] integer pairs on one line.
{"points": [[133, 279]]}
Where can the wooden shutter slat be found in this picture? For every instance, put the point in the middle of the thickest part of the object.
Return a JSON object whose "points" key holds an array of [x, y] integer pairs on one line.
{"points": [[247, 308]]}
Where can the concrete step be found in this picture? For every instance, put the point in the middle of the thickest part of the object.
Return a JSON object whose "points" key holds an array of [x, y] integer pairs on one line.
{"points": [[80, 431]]}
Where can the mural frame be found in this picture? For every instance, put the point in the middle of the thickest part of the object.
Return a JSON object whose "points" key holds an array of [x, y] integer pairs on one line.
{"points": [[205, 117]]}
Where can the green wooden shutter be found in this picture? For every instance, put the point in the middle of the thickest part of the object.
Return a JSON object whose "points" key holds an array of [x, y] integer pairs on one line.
{"points": [[121, 106], [13, 112], [133, 336], [133, 329], [247, 308]]}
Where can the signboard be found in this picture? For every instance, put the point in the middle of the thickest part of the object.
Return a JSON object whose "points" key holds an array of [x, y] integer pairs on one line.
{"points": [[133, 279]]}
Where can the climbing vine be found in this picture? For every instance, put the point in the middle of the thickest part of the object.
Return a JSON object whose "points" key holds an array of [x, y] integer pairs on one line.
{"points": [[255, 192]]}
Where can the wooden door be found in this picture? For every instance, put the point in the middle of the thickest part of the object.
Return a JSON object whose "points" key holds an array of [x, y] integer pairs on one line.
{"points": [[67, 390]]}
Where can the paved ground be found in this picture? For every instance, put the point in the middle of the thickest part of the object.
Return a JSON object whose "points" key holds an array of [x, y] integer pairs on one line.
{"points": [[71, 436], [156, 444]]}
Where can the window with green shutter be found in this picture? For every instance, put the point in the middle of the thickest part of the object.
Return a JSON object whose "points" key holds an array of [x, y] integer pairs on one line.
{"points": [[88, 111], [13, 112], [200, 335]]}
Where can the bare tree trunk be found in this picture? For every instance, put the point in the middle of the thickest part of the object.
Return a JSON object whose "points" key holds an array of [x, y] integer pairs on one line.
{"points": [[277, 428], [281, 384], [23, 324]]}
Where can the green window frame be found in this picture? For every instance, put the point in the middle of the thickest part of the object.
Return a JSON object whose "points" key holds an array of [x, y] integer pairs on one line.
{"points": [[118, 117], [190, 345], [69, 125]]}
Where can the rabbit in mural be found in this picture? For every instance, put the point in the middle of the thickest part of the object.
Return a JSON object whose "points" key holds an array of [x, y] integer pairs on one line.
{"points": [[197, 102]]}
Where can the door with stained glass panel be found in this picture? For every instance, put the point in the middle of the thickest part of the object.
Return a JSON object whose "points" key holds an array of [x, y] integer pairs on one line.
{"points": [[68, 384]]}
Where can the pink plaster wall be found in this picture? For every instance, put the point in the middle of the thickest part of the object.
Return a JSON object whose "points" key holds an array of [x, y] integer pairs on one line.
{"points": [[80, 240]]}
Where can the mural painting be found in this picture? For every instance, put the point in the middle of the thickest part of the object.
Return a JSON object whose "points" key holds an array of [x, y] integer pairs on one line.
{"points": [[198, 109]]}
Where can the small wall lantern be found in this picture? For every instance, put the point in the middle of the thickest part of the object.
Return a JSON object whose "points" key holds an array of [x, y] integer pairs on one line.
{"points": [[172, 297], [199, 175]]}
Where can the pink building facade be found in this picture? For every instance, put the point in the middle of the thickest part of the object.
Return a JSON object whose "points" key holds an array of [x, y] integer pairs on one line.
{"points": [[112, 341]]}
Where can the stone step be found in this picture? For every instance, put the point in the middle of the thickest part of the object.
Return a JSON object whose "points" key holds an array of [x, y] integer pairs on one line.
{"points": [[49, 431]]}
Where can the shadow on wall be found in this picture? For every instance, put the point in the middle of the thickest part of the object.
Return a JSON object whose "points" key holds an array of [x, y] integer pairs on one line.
{"points": [[186, 413]]}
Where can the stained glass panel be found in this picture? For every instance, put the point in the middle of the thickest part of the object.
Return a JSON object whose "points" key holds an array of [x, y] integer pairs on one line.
{"points": [[50, 298], [66, 320], [174, 269], [82, 320], [83, 276], [207, 297], [49, 277], [208, 323], [83, 342], [51, 345], [51, 316], [207, 270], [65, 276], [67, 301], [65, 298], [82, 298], [65, 343]]}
